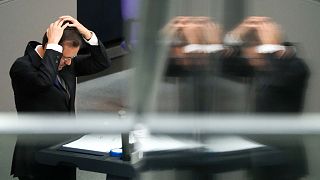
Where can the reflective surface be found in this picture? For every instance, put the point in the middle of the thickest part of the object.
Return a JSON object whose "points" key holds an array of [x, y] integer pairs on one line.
{"points": [[224, 90]]}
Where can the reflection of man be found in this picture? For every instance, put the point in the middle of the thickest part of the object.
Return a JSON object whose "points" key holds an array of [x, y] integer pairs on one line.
{"points": [[280, 80], [280, 76], [44, 80], [193, 42]]}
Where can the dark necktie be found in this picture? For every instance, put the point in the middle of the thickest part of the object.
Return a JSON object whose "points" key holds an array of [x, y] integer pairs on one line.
{"points": [[60, 83]]}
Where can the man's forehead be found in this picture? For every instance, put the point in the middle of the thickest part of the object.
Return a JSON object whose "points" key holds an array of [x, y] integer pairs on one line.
{"points": [[69, 54], [68, 49]]}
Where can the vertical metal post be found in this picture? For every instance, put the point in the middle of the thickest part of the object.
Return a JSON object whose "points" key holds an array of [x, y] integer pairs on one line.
{"points": [[234, 12]]}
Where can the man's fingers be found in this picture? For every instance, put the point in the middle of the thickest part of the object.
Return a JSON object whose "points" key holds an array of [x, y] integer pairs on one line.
{"points": [[61, 17], [60, 23], [56, 23], [262, 28], [68, 18], [66, 25], [256, 20], [71, 25], [50, 26]]}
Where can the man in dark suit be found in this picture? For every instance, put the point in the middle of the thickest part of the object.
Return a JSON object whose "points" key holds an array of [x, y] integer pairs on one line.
{"points": [[279, 76], [44, 80], [280, 80]]}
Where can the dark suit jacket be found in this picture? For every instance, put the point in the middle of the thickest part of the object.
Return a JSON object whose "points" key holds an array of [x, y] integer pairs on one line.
{"points": [[279, 88], [35, 90], [280, 84]]}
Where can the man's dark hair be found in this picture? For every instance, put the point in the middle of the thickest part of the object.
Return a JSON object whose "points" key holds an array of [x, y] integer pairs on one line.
{"points": [[71, 37], [251, 38]]}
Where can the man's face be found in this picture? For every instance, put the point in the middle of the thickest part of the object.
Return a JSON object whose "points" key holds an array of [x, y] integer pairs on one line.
{"points": [[68, 53]]}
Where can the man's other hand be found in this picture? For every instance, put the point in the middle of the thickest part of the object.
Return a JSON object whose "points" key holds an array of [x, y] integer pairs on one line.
{"points": [[75, 23], [55, 31]]}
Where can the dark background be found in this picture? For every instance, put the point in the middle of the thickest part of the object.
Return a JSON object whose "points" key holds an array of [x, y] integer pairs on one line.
{"points": [[104, 17]]}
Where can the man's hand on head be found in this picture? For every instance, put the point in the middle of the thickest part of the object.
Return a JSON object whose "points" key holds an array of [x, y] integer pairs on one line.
{"points": [[251, 22], [269, 33], [55, 31], [75, 23]]}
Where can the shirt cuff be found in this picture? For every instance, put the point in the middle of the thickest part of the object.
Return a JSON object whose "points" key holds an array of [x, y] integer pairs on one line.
{"points": [[93, 41], [269, 48], [55, 47], [231, 39], [202, 48]]}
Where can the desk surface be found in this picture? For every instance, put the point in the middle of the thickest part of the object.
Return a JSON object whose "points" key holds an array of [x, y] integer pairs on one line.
{"points": [[187, 159], [214, 162], [95, 163]]}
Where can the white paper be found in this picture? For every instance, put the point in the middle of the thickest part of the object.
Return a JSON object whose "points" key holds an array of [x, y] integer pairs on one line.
{"points": [[165, 143], [96, 142], [104, 143], [230, 143]]}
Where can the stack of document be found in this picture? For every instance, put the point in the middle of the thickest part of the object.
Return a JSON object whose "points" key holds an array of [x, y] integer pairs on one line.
{"points": [[165, 143], [101, 144]]}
